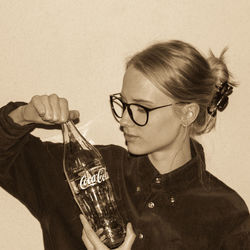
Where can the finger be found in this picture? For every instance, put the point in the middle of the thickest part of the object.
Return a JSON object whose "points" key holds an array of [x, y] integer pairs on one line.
{"points": [[85, 238], [34, 111], [48, 109], [91, 235], [38, 105], [130, 237], [99, 231], [83, 219], [64, 110], [88, 229], [86, 241], [103, 237], [54, 104], [100, 234]]}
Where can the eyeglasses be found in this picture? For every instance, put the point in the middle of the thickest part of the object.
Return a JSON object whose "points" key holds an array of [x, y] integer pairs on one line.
{"points": [[138, 113]]}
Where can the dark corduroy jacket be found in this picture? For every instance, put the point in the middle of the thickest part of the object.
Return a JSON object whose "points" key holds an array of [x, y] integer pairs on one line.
{"points": [[187, 208]]}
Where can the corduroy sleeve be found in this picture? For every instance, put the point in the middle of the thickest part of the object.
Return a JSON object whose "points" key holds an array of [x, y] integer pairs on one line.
{"points": [[18, 175]]}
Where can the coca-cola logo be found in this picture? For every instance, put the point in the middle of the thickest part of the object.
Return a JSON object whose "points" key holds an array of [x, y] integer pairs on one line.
{"points": [[89, 179]]}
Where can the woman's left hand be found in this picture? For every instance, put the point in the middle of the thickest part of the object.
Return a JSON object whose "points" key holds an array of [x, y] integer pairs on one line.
{"points": [[92, 241]]}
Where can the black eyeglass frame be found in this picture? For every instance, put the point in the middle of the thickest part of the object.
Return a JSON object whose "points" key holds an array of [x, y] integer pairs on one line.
{"points": [[127, 106]]}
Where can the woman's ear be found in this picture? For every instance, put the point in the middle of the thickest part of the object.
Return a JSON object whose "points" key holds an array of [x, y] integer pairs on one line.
{"points": [[189, 114]]}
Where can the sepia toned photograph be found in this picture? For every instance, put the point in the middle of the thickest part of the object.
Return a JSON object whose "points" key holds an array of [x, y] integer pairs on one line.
{"points": [[124, 125]]}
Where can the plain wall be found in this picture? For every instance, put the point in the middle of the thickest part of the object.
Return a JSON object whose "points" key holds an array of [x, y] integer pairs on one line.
{"points": [[77, 49]]}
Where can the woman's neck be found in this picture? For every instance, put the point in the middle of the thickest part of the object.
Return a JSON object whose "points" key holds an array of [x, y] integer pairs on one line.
{"points": [[172, 157]]}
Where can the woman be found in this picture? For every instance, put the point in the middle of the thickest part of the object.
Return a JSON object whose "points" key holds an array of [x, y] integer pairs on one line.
{"points": [[170, 94]]}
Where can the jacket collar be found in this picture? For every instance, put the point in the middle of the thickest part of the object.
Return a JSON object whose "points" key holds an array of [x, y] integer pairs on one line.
{"points": [[179, 178]]}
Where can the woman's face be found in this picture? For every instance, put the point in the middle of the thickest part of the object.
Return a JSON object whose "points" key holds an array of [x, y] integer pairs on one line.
{"points": [[161, 131]]}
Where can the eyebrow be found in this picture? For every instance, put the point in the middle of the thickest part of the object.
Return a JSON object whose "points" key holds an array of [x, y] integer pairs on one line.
{"points": [[138, 100], [142, 101]]}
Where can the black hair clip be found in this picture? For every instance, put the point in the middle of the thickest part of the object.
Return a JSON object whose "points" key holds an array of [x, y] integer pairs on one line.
{"points": [[220, 99]]}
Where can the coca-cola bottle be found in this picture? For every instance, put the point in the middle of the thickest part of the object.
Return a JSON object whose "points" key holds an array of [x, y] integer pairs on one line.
{"points": [[89, 182]]}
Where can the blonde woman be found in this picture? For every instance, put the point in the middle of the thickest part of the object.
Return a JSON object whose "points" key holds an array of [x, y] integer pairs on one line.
{"points": [[170, 94]]}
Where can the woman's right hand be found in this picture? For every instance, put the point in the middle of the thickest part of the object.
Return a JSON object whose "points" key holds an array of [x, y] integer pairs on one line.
{"points": [[92, 241], [44, 109]]}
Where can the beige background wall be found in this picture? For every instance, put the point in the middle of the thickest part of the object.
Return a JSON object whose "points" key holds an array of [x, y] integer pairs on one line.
{"points": [[77, 49]]}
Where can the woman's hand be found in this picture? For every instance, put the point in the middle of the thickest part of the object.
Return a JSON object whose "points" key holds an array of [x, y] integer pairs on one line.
{"points": [[92, 241], [44, 109]]}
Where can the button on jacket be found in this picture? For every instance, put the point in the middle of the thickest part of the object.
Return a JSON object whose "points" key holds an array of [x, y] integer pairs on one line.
{"points": [[187, 208]]}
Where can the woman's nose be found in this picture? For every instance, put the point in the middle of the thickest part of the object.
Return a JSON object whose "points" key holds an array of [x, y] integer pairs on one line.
{"points": [[126, 120]]}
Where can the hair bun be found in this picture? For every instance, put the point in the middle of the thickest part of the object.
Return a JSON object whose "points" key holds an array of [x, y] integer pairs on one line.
{"points": [[224, 84]]}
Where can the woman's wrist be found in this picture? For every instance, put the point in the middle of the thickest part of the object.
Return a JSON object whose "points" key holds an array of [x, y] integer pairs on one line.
{"points": [[17, 116]]}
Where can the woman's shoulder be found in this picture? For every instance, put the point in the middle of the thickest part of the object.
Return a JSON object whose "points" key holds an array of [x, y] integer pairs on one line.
{"points": [[232, 212], [216, 188], [225, 194]]}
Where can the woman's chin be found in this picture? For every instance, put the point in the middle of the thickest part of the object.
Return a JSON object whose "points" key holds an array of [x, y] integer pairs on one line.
{"points": [[135, 149]]}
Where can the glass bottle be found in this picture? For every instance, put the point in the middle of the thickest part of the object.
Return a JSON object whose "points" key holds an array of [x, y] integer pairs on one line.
{"points": [[89, 182]]}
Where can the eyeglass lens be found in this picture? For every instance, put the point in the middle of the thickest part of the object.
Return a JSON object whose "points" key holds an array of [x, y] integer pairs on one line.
{"points": [[137, 113]]}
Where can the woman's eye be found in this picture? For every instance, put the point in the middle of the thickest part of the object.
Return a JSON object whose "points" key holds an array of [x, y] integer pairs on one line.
{"points": [[140, 109]]}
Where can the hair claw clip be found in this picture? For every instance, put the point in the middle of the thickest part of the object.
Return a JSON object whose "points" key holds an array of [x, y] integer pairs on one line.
{"points": [[220, 99]]}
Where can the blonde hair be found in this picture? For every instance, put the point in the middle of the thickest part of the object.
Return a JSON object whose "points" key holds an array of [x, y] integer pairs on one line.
{"points": [[181, 72]]}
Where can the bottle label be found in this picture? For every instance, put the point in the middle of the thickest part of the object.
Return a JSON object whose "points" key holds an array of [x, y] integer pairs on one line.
{"points": [[93, 176]]}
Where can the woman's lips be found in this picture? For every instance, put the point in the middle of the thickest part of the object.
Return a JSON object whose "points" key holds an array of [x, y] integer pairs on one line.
{"points": [[130, 137]]}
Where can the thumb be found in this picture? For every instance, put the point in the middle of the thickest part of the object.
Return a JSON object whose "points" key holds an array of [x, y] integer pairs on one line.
{"points": [[130, 237], [74, 114]]}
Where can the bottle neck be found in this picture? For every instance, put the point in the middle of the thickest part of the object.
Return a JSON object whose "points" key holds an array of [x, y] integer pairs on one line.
{"points": [[72, 135]]}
